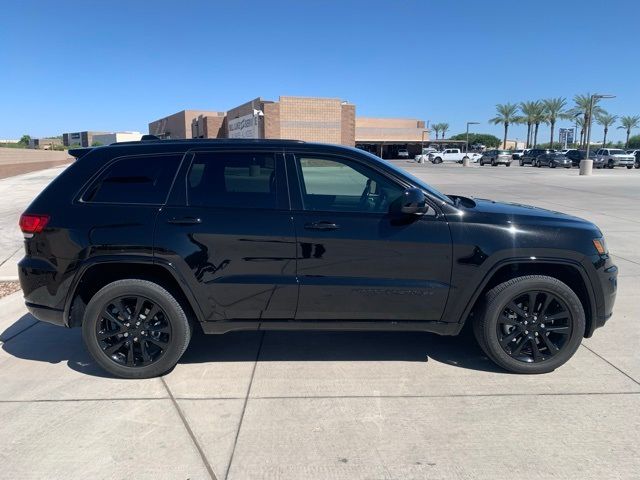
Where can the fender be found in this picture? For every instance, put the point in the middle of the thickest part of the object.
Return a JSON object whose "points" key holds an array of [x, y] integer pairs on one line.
{"points": [[129, 259], [538, 261]]}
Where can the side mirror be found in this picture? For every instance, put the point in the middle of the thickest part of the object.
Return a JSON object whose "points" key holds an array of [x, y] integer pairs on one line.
{"points": [[413, 202]]}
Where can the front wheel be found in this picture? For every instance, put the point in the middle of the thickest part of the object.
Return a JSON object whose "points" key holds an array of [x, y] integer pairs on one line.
{"points": [[508, 164], [531, 324], [522, 163], [629, 167], [135, 329]]}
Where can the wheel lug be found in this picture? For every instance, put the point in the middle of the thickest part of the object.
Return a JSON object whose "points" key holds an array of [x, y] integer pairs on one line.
{"points": [[525, 322], [126, 334], [135, 339], [542, 325], [137, 324], [143, 332], [536, 334], [127, 324], [526, 332]]}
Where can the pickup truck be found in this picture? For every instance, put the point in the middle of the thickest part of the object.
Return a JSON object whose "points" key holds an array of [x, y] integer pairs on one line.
{"points": [[615, 157], [453, 155]]}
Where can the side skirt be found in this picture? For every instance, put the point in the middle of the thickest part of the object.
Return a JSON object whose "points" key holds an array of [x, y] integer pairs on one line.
{"points": [[440, 328]]}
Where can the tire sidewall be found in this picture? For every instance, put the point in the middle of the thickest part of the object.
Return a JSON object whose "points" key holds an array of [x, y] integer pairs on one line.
{"points": [[180, 330], [495, 306]]}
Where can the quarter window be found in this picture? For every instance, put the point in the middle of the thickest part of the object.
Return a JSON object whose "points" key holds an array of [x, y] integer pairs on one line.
{"points": [[143, 179], [235, 180], [345, 186]]}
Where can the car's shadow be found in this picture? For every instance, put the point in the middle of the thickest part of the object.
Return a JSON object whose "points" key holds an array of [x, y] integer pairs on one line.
{"points": [[47, 343]]}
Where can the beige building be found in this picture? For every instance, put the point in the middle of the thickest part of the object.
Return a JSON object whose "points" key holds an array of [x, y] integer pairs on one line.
{"points": [[178, 125], [313, 119]]}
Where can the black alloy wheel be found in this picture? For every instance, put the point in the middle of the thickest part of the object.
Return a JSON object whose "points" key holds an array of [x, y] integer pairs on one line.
{"points": [[534, 326], [530, 324], [135, 328], [133, 331]]}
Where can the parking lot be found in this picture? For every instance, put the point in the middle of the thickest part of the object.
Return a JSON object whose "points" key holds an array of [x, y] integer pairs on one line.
{"points": [[335, 405]]}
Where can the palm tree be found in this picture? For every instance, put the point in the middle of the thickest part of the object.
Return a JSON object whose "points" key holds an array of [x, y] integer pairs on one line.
{"points": [[582, 103], [539, 116], [580, 123], [628, 123], [554, 109], [443, 128], [436, 128], [528, 109], [506, 115], [606, 121]]}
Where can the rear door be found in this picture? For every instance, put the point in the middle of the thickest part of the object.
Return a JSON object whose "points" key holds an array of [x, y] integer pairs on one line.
{"points": [[228, 231], [355, 260]]}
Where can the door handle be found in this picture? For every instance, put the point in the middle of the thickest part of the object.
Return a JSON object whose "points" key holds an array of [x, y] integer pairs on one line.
{"points": [[321, 226], [184, 220]]}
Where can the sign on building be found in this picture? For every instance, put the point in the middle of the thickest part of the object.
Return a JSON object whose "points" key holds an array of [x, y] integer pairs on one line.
{"points": [[247, 126]]}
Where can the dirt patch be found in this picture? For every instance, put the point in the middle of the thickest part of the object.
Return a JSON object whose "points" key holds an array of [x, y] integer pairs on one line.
{"points": [[7, 288], [13, 169]]}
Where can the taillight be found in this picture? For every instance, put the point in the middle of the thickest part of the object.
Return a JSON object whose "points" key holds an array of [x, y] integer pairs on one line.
{"points": [[33, 223]]}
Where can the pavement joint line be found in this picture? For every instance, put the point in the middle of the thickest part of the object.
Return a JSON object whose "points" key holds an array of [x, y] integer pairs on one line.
{"points": [[203, 457], [625, 259], [18, 333], [10, 256], [244, 406], [324, 397], [614, 366]]}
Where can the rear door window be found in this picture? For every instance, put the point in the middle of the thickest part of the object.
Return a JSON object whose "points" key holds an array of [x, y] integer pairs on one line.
{"points": [[141, 179], [233, 180]]}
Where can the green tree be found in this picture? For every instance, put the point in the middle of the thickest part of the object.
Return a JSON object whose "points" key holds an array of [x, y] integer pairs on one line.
{"points": [[506, 115], [581, 107], [628, 123], [528, 110], [436, 128], [24, 140], [539, 116], [634, 142], [606, 121], [97, 144], [554, 110], [443, 128], [490, 141]]}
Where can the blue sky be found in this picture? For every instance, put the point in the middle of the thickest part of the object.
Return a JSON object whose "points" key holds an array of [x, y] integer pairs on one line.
{"points": [[116, 65]]}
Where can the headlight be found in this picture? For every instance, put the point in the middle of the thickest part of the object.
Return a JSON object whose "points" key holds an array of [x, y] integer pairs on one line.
{"points": [[600, 245]]}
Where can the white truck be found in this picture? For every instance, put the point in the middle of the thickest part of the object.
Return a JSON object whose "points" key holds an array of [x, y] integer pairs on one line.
{"points": [[614, 157], [453, 155]]}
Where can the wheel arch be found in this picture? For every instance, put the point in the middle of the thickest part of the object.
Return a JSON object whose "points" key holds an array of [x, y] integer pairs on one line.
{"points": [[567, 272], [100, 272]]}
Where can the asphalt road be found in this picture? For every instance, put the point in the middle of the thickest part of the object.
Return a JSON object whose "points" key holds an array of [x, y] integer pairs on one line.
{"points": [[338, 405]]}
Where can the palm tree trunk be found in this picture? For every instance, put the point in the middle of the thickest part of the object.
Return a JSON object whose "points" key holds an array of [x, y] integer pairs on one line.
{"points": [[604, 140], [626, 143], [535, 136], [553, 124], [504, 141], [528, 133]]}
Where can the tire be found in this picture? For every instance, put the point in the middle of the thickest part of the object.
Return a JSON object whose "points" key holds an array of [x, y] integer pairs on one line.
{"points": [[493, 163], [610, 164], [170, 327], [437, 160], [629, 167], [508, 164], [522, 163], [552, 165], [637, 165], [488, 332]]}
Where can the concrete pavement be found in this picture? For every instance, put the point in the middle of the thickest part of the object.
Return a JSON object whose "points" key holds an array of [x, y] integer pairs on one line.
{"points": [[341, 405]]}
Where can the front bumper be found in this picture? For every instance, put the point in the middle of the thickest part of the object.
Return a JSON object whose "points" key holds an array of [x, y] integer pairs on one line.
{"points": [[605, 284]]}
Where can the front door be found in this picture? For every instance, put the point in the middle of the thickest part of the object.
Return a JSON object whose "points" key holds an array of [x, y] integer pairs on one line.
{"points": [[229, 233], [356, 261]]}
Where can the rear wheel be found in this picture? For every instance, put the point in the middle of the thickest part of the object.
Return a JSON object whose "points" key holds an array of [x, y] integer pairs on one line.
{"points": [[508, 164], [531, 324], [135, 329], [493, 163], [629, 167], [610, 164]]}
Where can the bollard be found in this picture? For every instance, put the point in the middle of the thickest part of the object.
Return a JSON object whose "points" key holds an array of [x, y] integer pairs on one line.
{"points": [[586, 167], [465, 162]]}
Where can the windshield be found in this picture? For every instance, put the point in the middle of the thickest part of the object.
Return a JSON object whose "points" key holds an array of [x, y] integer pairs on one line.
{"points": [[617, 152], [413, 179], [503, 152]]}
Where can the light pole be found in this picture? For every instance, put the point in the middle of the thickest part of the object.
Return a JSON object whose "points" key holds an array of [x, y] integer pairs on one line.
{"points": [[586, 164], [467, 142], [422, 142]]}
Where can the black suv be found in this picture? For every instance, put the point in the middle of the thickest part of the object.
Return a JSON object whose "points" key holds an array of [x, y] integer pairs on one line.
{"points": [[531, 156], [139, 243]]}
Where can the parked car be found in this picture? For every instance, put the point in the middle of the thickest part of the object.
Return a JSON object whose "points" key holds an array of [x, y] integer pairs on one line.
{"points": [[553, 160], [636, 155], [495, 158], [138, 243], [529, 158], [575, 156], [453, 155], [403, 153], [424, 156], [615, 157], [517, 154]]}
